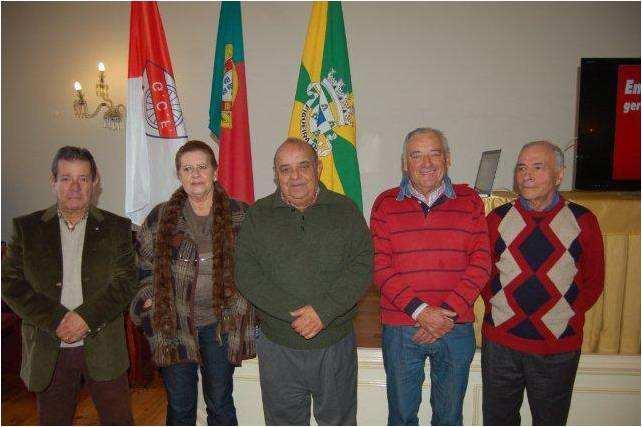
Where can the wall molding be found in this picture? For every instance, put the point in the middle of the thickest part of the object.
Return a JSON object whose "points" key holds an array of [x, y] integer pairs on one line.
{"points": [[607, 391]]}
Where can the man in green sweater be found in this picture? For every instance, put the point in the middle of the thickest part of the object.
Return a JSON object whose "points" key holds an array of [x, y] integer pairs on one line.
{"points": [[304, 258]]}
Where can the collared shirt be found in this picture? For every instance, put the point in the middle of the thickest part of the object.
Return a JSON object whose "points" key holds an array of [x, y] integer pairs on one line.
{"points": [[316, 195], [72, 240], [406, 189], [69, 225], [528, 207]]}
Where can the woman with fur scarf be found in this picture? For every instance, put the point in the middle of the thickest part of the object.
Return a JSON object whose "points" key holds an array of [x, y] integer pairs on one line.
{"points": [[187, 305]]}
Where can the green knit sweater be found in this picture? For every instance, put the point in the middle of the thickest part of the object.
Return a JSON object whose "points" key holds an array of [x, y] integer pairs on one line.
{"points": [[286, 259]]}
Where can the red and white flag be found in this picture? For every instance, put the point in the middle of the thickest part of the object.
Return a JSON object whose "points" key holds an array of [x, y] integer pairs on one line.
{"points": [[155, 123]]}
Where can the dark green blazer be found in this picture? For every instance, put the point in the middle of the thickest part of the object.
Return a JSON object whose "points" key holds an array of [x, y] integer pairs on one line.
{"points": [[31, 286]]}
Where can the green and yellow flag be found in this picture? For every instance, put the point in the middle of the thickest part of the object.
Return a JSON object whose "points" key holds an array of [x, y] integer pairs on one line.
{"points": [[323, 112]]}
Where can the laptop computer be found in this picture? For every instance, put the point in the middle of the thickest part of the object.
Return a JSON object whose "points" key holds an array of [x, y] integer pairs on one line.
{"points": [[486, 172]]}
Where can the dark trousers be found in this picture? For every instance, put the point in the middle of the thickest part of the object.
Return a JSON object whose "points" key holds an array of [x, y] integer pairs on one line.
{"points": [[291, 379], [181, 383], [548, 381], [57, 403]]}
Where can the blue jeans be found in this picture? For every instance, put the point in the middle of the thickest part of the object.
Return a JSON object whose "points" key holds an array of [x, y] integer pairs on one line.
{"points": [[181, 382], [404, 361]]}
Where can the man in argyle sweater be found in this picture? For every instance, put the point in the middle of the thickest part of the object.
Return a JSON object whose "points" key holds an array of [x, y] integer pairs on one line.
{"points": [[548, 270]]}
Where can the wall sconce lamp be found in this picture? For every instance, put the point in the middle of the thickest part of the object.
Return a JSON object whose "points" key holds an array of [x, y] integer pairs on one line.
{"points": [[114, 114]]}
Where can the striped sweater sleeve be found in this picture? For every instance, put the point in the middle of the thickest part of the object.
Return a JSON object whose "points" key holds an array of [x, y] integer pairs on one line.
{"points": [[463, 295], [386, 276]]}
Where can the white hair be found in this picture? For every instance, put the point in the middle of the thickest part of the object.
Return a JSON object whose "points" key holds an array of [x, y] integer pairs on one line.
{"points": [[426, 130], [557, 151]]}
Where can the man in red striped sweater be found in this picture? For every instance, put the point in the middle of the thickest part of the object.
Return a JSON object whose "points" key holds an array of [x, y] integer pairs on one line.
{"points": [[431, 261], [548, 271]]}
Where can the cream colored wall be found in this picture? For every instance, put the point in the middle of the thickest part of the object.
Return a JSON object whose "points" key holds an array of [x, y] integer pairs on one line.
{"points": [[489, 75], [606, 392]]}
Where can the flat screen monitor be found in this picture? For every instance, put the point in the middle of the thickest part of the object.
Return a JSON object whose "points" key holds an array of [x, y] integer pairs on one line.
{"points": [[608, 131]]}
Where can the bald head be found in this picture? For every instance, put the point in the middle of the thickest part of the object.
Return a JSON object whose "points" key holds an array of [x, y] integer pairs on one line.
{"points": [[538, 173], [297, 171], [295, 143], [556, 151]]}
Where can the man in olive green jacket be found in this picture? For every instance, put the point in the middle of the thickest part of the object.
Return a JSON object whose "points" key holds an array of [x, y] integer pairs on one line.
{"points": [[69, 273]]}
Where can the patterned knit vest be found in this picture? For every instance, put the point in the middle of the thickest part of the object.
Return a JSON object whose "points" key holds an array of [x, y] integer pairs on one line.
{"points": [[532, 297]]}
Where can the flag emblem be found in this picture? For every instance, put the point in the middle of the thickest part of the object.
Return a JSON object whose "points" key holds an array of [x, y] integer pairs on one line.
{"points": [[230, 87], [323, 113], [326, 108], [163, 113], [229, 119]]}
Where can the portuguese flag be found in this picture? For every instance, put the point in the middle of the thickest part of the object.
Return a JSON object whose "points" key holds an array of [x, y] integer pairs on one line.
{"points": [[228, 106], [323, 112]]}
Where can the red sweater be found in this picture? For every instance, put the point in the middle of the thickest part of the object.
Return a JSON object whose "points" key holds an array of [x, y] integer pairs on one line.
{"points": [[440, 258], [548, 270]]}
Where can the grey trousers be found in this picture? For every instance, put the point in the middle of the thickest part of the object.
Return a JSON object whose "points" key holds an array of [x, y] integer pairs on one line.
{"points": [[548, 381], [291, 378]]}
